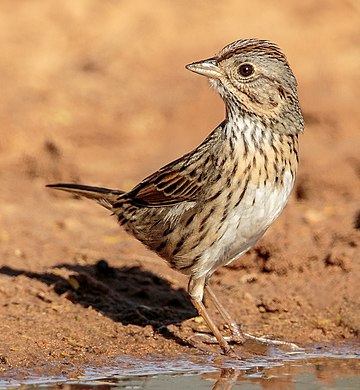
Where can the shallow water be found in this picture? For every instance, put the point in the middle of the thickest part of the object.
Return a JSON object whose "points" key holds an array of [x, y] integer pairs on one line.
{"points": [[319, 367]]}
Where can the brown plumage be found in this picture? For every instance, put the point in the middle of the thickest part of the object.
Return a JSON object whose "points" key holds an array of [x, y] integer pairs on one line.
{"points": [[210, 206]]}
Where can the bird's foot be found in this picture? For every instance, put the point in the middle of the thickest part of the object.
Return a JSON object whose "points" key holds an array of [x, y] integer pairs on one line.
{"points": [[240, 337], [268, 340], [205, 338]]}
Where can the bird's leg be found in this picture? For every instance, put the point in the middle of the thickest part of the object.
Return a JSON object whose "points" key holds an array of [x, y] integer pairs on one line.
{"points": [[196, 292], [236, 333]]}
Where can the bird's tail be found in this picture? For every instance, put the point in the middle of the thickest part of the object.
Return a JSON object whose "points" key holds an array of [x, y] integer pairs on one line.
{"points": [[104, 196]]}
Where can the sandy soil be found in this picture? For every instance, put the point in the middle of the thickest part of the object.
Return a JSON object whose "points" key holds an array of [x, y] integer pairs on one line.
{"points": [[96, 92]]}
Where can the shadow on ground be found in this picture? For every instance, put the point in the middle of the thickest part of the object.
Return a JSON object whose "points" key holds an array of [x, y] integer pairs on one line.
{"points": [[128, 295]]}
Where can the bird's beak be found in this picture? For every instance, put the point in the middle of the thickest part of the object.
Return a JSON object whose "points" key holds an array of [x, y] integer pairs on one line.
{"points": [[206, 68]]}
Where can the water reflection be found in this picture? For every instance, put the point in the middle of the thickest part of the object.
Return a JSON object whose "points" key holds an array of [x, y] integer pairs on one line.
{"points": [[314, 373], [317, 369]]}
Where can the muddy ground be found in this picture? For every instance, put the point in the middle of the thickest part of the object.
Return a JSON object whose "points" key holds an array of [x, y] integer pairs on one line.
{"points": [[96, 92]]}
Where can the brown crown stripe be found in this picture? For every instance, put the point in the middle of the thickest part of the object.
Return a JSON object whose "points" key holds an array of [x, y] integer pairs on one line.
{"points": [[264, 47]]}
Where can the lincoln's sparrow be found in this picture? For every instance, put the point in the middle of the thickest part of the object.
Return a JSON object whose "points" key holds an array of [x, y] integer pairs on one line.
{"points": [[210, 206]]}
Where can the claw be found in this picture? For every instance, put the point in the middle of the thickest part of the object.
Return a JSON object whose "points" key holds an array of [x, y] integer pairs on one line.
{"points": [[209, 339], [269, 341]]}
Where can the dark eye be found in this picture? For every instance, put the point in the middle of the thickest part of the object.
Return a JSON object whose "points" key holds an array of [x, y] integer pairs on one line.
{"points": [[246, 70]]}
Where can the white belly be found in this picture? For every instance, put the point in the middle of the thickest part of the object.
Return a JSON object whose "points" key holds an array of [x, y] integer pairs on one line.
{"points": [[246, 224]]}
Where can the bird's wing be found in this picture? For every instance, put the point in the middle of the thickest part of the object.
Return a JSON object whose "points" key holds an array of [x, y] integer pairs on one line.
{"points": [[180, 181], [168, 186]]}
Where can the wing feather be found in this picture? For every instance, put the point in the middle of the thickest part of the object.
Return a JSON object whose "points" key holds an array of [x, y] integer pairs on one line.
{"points": [[182, 180], [165, 187]]}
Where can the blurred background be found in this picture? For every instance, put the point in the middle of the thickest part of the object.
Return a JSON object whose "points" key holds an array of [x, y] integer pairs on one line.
{"points": [[97, 90]]}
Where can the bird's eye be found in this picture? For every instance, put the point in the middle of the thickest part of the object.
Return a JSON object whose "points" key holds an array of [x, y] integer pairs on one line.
{"points": [[246, 70]]}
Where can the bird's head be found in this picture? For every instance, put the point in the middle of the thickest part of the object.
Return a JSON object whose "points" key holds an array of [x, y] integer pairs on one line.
{"points": [[253, 77]]}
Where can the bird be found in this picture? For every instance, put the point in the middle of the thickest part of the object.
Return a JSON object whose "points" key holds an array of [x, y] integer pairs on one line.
{"points": [[210, 206]]}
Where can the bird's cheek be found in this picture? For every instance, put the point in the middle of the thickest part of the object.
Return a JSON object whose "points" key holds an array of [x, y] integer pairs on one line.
{"points": [[270, 100], [274, 103]]}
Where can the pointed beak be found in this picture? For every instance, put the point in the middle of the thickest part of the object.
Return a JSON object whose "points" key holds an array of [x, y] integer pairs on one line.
{"points": [[206, 68]]}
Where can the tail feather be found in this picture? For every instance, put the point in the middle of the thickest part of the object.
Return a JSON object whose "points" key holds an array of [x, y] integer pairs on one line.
{"points": [[104, 196]]}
